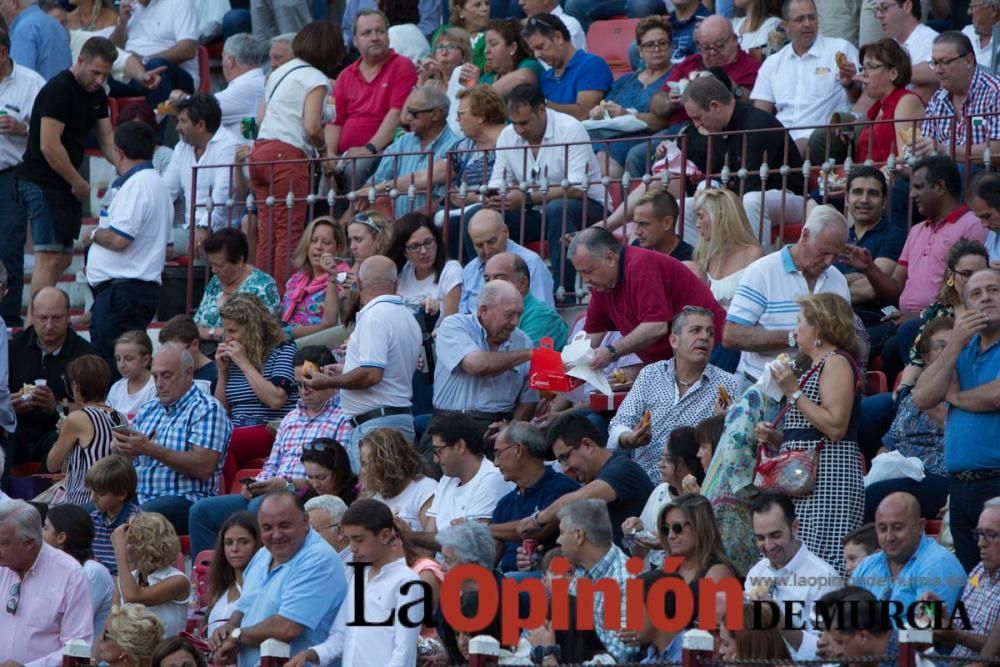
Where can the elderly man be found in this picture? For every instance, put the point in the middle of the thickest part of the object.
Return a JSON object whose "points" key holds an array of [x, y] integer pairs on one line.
{"points": [[281, 599], [520, 453], [377, 375], [325, 513], [910, 563], [755, 324], [984, 200], [985, 21], [404, 162], [369, 98], [243, 59], [280, 51], [41, 352], [802, 84], [317, 415], [46, 609], [965, 375], [788, 571], [491, 236], [538, 319], [178, 441], [902, 21], [128, 248], [164, 33], [655, 216], [678, 392], [966, 90], [637, 292], [37, 40]]}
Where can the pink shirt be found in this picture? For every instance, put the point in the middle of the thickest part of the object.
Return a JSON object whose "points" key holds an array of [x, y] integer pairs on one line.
{"points": [[925, 255], [362, 105], [54, 607]]}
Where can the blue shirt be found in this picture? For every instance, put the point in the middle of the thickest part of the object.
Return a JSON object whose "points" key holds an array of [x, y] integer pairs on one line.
{"points": [[104, 552], [670, 654], [970, 437], [194, 420], [307, 589], [882, 240], [393, 167], [472, 278], [683, 34], [629, 91], [38, 42], [519, 504], [584, 71], [245, 406], [931, 569]]}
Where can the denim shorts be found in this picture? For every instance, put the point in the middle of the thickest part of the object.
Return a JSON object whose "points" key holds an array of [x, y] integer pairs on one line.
{"points": [[55, 216]]}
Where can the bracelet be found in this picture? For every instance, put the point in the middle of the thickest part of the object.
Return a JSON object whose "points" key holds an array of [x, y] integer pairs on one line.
{"points": [[93, 235]]}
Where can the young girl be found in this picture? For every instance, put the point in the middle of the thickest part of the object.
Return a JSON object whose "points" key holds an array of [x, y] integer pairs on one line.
{"points": [[238, 542], [133, 354], [150, 543]]}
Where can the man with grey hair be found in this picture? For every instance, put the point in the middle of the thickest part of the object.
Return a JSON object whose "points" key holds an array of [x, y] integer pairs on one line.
{"points": [[539, 319], [376, 378], [466, 543], [637, 292], [243, 59], [482, 362], [37, 40], [585, 537], [46, 609], [764, 313], [405, 161], [324, 517], [280, 51], [519, 454], [981, 32], [678, 392], [178, 441]]}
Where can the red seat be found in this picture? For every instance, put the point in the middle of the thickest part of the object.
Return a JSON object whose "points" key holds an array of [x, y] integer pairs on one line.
{"points": [[255, 463], [235, 486], [117, 104], [610, 40], [539, 247], [791, 235], [246, 443], [185, 541], [933, 527], [200, 568], [214, 49], [875, 383], [204, 73]]}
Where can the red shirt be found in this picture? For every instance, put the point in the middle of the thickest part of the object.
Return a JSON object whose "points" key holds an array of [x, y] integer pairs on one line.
{"points": [[742, 72], [884, 142], [362, 105], [652, 287]]}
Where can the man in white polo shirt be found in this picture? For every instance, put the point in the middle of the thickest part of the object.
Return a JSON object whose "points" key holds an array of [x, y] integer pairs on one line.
{"points": [[901, 22], [802, 84], [764, 313], [376, 381], [128, 248], [788, 572]]}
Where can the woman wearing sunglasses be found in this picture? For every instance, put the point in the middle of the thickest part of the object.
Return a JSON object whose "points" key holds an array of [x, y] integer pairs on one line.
{"points": [[328, 470]]}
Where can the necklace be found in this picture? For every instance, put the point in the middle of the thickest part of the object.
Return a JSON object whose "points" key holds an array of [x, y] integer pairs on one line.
{"points": [[682, 382]]}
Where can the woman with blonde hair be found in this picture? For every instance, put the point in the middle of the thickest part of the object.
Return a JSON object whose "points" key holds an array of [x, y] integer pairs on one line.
{"points": [[256, 377], [150, 543], [394, 472], [726, 243], [368, 233], [311, 296], [471, 17], [130, 637]]}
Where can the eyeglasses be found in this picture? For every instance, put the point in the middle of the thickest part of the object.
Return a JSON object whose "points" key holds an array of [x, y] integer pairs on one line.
{"points": [[497, 451], [871, 68], [15, 598], [714, 46], [938, 64], [881, 9], [988, 536], [417, 112], [438, 450], [963, 274], [658, 45], [424, 245], [562, 458], [676, 527], [447, 46], [323, 529]]}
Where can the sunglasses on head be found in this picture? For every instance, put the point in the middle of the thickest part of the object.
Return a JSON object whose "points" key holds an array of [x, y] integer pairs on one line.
{"points": [[15, 598], [366, 220], [317, 447]]}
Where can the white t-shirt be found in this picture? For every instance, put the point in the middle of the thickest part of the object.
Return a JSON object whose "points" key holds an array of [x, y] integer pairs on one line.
{"points": [[984, 54], [408, 503], [129, 404], [240, 99], [474, 500], [17, 97], [407, 40], [172, 614], [143, 212], [158, 27], [284, 97], [920, 43], [755, 39], [102, 585], [415, 291]]}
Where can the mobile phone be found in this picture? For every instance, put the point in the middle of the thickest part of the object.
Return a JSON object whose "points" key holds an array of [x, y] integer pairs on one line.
{"points": [[122, 429], [247, 481], [889, 311], [492, 192]]}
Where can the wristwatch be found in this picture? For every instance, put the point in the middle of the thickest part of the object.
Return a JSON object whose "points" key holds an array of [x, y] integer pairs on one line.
{"points": [[236, 634], [614, 352], [370, 147], [793, 399], [540, 653], [791, 339]]}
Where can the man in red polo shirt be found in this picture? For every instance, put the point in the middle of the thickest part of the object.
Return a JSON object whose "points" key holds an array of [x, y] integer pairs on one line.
{"points": [[369, 97], [718, 46], [636, 292]]}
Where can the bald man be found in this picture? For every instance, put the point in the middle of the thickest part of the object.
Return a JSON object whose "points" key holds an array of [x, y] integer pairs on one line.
{"points": [[376, 378], [490, 236], [910, 564], [538, 319]]}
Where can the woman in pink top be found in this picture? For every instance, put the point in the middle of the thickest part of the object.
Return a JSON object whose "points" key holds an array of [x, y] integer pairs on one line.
{"points": [[311, 301]]}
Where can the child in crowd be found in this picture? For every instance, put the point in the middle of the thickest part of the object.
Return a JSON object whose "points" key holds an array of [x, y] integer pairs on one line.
{"points": [[133, 354], [149, 542], [858, 545], [182, 330], [112, 482]]}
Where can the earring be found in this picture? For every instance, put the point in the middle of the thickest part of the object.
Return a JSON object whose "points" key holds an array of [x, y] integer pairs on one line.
{"points": [[950, 282], [818, 342]]}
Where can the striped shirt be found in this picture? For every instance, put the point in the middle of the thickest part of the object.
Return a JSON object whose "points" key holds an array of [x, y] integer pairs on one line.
{"points": [[245, 408], [81, 458], [104, 553], [298, 428], [984, 90], [612, 566], [768, 298], [194, 420]]}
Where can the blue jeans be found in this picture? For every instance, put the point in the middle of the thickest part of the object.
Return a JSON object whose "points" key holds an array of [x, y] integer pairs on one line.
{"points": [[588, 11], [174, 508], [402, 423], [124, 305], [14, 232], [236, 21], [173, 77], [208, 514], [967, 499]]}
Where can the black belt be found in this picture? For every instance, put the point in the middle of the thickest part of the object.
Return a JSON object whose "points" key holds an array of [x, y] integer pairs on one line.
{"points": [[477, 414], [376, 413], [100, 287], [975, 475], [750, 378]]}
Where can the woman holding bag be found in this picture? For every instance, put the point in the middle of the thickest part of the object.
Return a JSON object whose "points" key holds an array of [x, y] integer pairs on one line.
{"points": [[819, 422]]}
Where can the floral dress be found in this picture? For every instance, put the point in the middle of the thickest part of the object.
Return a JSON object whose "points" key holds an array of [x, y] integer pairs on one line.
{"points": [[258, 283]]}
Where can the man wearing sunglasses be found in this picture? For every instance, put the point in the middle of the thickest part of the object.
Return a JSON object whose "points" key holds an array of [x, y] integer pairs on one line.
{"points": [[44, 592]]}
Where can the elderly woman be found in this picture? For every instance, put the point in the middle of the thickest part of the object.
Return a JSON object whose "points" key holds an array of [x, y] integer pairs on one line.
{"points": [[311, 301], [467, 543], [130, 637], [822, 391], [451, 50], [885, 75], [508, 60], [256, 376], [227, 253]]}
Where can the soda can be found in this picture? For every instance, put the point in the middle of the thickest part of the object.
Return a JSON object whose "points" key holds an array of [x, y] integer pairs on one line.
{"points": [[529, 546], [248, 127]]}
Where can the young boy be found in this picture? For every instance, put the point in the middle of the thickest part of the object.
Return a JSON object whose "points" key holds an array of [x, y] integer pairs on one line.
{"points": [[182, 330], [858, 545], [112, 481], [369, 525]]}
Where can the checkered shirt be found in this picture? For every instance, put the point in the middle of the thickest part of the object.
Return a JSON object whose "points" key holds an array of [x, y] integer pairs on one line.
{"points": [[612, 566], [296, 429], [983, 99], [982, 602]]}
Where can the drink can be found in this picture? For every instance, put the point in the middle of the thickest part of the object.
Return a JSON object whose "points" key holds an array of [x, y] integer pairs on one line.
{"points": [[529, 546], [248, 127]]}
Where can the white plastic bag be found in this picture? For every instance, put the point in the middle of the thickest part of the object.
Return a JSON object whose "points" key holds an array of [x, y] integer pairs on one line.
{"points": [[576, 356], [893, 465]]}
